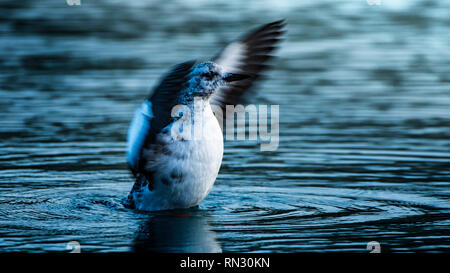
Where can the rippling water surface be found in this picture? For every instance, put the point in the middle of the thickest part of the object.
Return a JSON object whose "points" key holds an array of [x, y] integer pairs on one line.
{"points": [[364, 149]]}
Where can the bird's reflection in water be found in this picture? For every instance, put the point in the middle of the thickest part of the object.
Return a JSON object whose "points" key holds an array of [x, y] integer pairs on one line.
{"points": [[177, 231]]}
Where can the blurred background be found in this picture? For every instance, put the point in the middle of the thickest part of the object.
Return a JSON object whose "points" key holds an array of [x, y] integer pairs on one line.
{"points": [[364, 150]]}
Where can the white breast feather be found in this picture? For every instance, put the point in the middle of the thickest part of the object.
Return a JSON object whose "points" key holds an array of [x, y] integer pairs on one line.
{"points": [[196, 161]]}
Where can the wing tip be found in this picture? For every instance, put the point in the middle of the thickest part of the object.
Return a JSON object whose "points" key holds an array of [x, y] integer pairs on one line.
{"points": [[272, 30], [281, 22]]}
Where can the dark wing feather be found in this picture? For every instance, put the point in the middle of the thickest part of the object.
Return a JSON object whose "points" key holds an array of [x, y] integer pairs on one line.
{"points": [[165, 95], [248, 55], [154, 114]]}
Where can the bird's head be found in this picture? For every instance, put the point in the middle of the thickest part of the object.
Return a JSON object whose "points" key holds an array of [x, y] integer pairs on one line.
{"points": [[206, 77]]}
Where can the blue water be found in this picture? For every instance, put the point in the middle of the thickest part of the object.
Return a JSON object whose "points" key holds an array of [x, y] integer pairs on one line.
{"points": [[364, 153]]}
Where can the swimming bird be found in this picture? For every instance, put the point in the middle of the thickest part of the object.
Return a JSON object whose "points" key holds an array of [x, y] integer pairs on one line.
{"points": [[171, 168]]}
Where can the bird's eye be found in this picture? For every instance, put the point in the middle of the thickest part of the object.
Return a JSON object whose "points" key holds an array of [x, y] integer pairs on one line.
{"points": [[208, 75]]}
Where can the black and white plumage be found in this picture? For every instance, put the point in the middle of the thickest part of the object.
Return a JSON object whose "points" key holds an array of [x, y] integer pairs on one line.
{"points": [[174, 168], [249, 55]]}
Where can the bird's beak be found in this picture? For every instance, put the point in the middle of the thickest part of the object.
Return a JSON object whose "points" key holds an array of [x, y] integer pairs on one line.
{"points": [[231, 77]]}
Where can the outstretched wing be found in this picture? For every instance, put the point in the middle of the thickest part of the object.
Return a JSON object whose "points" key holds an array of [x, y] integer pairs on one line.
{"points": [[248, 55], [154, 113]]}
